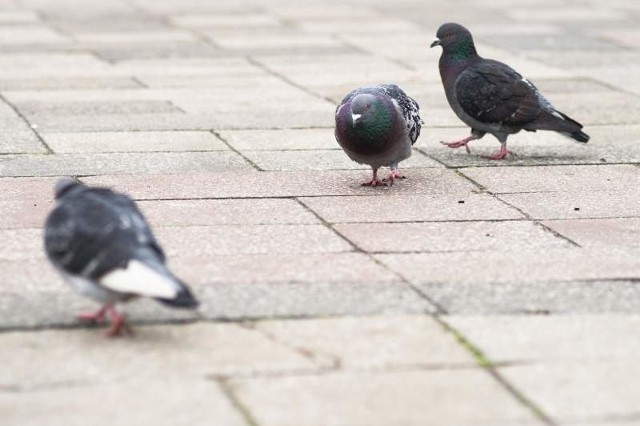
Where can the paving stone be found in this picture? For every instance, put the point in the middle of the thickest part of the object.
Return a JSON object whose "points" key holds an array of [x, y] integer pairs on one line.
{"points": [[551, 41], [302, 300], [93, 142], [174, 50], [226, 212], [406, 398], [322, 160], [160, 401], [530, 266], [280, 184], [282, 139], [581, 392], [21, 65], [600, 233], [249, 239], [17, 136], [30, 34], [176, 353], [450, 236], [68, 83], [576, 205], [344, 267], [408, 208], [35, 109], [555, 178], [557, 338], [24, 202], [129, 37], [225, 20], [373, 342], [118, 163], [569, 297]]}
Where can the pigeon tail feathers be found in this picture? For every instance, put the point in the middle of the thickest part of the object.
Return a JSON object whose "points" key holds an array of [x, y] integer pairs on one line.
{"points": [[184, 298]]}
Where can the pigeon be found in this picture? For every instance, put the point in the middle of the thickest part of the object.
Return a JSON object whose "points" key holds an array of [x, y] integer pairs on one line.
{"points": [[101, 243], [491, 97], [377, 126]]}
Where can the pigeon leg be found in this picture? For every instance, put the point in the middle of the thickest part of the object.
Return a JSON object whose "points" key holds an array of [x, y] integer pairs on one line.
{"points": [[394, 174], [97, 316], [462, 142], [118, 324], [374, 180], [501, 154]]}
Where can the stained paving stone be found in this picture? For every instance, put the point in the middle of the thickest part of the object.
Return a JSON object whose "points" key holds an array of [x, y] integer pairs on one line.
{"points": [[530, 266], [125, 162], [408, 208], [322, 160], [302, 300], [280, 184], [226, 212], [555, 178], [382, 399], [580, 392], [160, 401], [374, 342], [557, 338], [93, 142], [450, 236], [576, 205], [535, 298], [600, 233]]}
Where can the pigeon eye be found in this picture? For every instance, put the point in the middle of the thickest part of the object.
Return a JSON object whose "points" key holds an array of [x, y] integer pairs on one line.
{"points": [[447, 35]]}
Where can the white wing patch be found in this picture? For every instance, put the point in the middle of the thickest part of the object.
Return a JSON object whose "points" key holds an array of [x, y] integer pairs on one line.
{"points": [[140, 279]]}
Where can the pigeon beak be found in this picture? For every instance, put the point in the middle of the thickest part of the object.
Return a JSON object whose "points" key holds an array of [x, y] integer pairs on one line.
{"points": [[435, 43], [355, 117]]}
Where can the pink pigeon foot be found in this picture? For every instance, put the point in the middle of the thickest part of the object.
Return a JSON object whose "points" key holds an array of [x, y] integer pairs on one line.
{"points": [[374, 180], [501, 154], [118, 324], [462, 142], [97, 316]]}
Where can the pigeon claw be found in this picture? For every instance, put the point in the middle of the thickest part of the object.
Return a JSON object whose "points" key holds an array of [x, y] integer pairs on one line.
{"points": [[500, 155], [375, 182], [93, 317], [458, 144]]}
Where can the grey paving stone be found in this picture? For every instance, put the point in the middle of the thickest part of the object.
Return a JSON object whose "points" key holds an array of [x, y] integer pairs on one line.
{"points": [[408, 208], [568, 297], [21, 65], [245, 20], [160, 401], [93, 142], [550, 264], [36, 109], [407, 398], [280, 184], [261, 211], [155, 49], [373, 342], [450, 236], [322, 160], [576, 205], [600, 233], [557, 338], [581, 392], [17, 136], [555, 178], [296, 300], [120, 163], [250, 239], [30, 34], [282, 139], [552, 41], [175, 353], [68, 83]]}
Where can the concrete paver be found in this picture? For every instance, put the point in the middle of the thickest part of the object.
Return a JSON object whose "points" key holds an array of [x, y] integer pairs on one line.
{"points": [[322, 301]]}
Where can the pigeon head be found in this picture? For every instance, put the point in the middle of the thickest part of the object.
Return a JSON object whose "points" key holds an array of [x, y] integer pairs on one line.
{"points": [[371, 116], [64, 185], [456, 41]]}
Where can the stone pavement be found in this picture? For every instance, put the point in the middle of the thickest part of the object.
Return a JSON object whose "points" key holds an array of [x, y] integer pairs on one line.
{"points": [[472, 293]]}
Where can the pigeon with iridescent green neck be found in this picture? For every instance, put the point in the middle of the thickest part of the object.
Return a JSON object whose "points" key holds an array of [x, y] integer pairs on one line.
{"points": [[377, 126], [491, 97]]}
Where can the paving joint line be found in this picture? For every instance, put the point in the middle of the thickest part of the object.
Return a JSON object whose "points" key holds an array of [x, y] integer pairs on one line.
{"points": [[235, 401], [358, 249], [490, 367], [26, 121], [232, 148]]}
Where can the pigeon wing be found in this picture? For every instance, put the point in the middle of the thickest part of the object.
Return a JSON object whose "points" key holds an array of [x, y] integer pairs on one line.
{"points": [[492, 92], [409, 107]]}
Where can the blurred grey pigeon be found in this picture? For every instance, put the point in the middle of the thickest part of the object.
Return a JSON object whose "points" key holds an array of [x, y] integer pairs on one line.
{"points": [[103, 245], [377, 126], [491, 97]]}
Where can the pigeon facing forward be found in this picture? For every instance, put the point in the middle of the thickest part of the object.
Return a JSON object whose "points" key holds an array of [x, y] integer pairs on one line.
{"points": [[102, 245], [377, 126], [491, 97]]}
